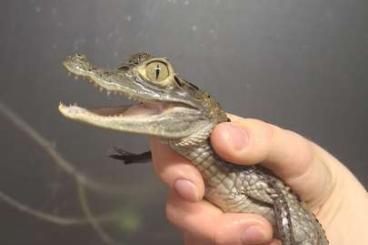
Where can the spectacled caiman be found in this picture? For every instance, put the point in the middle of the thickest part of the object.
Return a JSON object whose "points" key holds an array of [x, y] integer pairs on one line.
{"points": [[183, 116]]}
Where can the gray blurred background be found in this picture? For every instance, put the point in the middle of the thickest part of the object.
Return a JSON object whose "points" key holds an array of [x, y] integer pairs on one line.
{"points": [[299, 64]]}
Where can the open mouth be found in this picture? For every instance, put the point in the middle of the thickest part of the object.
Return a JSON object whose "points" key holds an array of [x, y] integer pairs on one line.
{"points": [[79, 66], [136, 110]]}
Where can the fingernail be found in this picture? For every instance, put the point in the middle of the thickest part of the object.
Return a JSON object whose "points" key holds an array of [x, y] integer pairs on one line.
{"points": [[254, 235], [236, 137], [186, 189]]}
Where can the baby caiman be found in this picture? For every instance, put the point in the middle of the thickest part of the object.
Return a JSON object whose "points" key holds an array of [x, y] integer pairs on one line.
{"points": [[183, 116]]}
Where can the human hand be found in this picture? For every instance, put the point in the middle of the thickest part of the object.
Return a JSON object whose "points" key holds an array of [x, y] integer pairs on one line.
{"points": [[330, 190]]}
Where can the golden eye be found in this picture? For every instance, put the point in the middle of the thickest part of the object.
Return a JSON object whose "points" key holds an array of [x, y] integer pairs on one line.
{"points": [[157, 71]]}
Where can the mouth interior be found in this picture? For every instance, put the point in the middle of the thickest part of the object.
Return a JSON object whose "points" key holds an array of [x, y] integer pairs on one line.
{"points": [[147, 108]]}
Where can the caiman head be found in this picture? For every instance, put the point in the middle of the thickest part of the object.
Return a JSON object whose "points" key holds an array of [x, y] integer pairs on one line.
{"points": [[167, 106]]}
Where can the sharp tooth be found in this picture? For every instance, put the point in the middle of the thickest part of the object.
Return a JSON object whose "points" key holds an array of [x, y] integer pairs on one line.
{"points": [[108, 92], [76, 77], [101, 89]]}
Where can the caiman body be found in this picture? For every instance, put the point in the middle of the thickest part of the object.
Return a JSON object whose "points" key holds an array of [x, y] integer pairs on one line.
{"points": [[183, 116]]}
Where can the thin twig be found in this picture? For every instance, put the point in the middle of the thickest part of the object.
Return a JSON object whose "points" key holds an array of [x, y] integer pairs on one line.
{"points": [[82, 182], [51, 217], [58, 159], [105, 237]]}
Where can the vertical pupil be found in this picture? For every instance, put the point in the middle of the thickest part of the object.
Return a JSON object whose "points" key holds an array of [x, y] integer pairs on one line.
{"points": [[158, 69]]}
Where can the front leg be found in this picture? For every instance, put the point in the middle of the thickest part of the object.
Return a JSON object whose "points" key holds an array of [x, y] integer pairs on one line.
{"points": [[130, 158]]}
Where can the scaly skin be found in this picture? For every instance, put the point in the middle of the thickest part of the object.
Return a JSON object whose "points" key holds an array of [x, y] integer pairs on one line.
{"points": [[183, 116]]}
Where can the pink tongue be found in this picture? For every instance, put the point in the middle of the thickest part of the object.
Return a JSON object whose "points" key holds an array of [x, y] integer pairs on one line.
{"points": [[137, 109], [144, 109], [109, 111]]}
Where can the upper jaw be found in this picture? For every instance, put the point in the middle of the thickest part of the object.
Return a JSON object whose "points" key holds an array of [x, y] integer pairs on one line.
{"points": [[125, 82], [112, 82]]}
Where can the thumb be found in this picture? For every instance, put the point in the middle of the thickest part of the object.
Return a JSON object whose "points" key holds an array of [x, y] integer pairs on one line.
{"points": [[290, 156]]}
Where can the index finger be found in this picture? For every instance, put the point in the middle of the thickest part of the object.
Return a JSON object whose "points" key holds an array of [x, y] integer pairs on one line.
{"points": [[176, 171]]}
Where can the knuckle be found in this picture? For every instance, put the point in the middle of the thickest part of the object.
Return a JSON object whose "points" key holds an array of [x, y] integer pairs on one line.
{"points": [[262, 138], [220, 239], [171, 213], [303, 152], [221, 236]]}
